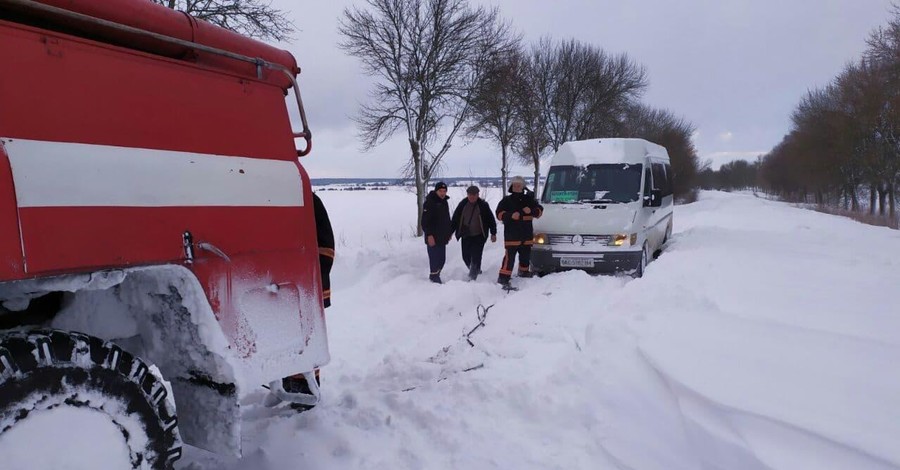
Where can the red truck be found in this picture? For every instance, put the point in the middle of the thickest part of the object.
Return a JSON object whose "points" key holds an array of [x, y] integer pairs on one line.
{"points": [[158, 248]]}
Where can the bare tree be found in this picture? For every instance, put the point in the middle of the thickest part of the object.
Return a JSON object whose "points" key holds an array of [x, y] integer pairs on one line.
{"points": [[672, 132], [494, 106], [584, 89], [532, 141], [253, 18], [428, 57], [570, 90]]}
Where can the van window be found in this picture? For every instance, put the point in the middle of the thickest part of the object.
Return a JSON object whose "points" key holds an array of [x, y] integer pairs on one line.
{"points": [[607, 183], [648, 183], [670, 180], [659, 177]]}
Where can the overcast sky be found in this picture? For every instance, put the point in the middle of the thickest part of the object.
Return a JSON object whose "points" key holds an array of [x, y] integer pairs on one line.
{"points": [[735, 68]]}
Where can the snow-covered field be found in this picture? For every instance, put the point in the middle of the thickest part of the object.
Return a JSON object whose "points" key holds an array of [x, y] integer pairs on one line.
{"points": [[764, 337]]}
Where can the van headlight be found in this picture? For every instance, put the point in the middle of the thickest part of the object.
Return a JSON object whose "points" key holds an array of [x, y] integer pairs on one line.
{"points": [[620, 239], [540, 239]]}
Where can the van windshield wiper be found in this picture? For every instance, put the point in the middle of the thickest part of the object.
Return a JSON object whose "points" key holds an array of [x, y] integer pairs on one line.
{"points": [[599, 201]]}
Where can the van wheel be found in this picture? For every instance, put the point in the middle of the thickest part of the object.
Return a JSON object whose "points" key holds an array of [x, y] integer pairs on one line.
{"points": [[53, 382], [645, 258]]}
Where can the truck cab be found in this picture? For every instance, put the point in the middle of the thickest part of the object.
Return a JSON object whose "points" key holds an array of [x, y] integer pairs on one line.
{"points": [[157, 235]]}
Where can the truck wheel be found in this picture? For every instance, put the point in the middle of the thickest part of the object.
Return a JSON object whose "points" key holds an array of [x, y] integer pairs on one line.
{"points": [[74, 400]]}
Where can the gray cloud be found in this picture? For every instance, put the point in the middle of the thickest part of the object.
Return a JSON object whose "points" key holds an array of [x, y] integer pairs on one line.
{"points": [[729, 66]]}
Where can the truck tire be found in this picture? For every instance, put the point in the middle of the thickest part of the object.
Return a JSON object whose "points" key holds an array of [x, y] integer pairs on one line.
{"points": [[45, 374]]}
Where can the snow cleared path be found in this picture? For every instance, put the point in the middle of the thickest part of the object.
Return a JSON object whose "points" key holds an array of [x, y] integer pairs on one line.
{"points": [[764, 337]]}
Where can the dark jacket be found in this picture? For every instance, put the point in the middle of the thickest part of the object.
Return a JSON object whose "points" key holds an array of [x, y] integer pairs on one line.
{"points": [[436, 219], [325, 237], [522, 229], [488, 224]]}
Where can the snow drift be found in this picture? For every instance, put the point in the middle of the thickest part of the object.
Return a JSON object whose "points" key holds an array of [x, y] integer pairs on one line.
{"points": [[764, 337]]}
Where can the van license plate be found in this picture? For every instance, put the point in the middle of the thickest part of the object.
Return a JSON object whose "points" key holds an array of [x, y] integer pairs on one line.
{"points": [[576, 262]]}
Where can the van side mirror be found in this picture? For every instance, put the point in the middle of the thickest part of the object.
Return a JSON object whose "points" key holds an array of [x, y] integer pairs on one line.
{"points": [[654, 200]]}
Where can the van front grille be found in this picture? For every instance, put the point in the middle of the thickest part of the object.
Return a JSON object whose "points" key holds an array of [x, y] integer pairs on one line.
{"points": [[580, 240]]}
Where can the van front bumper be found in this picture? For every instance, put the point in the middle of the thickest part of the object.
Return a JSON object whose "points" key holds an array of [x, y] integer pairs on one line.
{"points": [[604, 262]]}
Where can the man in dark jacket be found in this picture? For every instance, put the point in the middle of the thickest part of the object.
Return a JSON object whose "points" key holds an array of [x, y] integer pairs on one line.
{"points": [[517, 210], [437, 228], [473, 221], [325, 235]]}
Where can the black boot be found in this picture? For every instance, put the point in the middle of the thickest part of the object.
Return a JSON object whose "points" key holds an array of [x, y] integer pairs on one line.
{"points": [[435, 278], [297, 384]]}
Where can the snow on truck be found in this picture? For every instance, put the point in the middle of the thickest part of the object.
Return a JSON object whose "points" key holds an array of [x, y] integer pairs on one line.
{"points": [[157, 240]]}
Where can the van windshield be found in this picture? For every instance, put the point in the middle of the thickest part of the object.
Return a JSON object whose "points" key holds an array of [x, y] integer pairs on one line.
{"points": [[601, 183]]}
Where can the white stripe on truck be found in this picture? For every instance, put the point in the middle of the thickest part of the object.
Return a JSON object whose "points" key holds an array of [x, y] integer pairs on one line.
{"points": [[60, 174]]}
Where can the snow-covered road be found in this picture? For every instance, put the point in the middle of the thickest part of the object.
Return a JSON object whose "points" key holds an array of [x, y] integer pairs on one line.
{"points": [[765, 337]]}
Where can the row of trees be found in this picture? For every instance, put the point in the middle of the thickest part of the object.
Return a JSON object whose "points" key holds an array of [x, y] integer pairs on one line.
{"points": [[736, 175], [534, 101], [445, 69], [844, 145]]}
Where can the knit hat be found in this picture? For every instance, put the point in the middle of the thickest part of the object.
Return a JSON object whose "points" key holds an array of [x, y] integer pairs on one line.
{"points": [[440, 185], [472, 190], [518, 179]]}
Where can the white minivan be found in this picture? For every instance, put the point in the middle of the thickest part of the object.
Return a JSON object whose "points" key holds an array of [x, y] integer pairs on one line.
{"points": [[607, 207]]}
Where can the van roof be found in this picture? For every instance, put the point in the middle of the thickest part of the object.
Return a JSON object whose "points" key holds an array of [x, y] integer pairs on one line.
{"points": [[593, 151]]}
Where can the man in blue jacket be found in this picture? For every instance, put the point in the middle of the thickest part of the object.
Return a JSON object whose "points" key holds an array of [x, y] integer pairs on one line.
{"points": [[473, 222], [437, 228]]}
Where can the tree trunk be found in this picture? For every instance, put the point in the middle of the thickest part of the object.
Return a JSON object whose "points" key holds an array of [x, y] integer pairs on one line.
{"points": [[504, 169], [854, 200], [537, 178], [872, 199], [420, 184], [891, 200], [882, 200]]}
